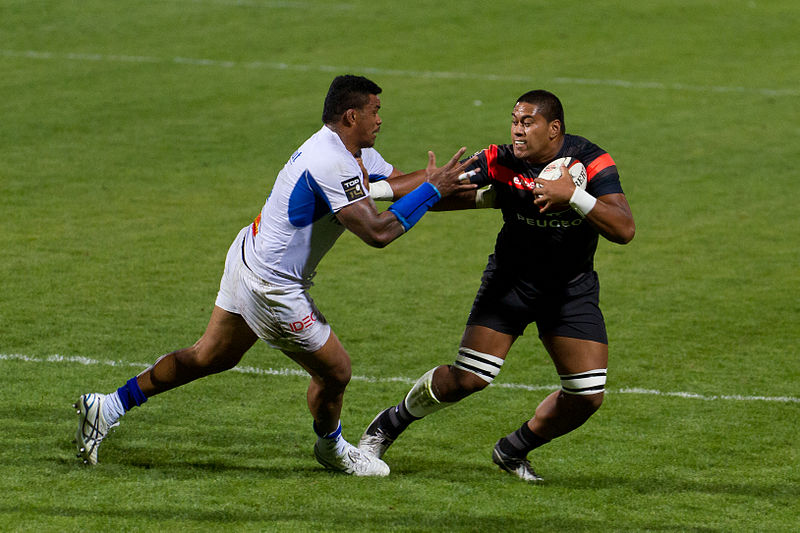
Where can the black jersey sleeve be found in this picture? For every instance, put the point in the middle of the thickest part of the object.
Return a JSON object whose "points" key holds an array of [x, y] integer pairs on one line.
{"points": [[601, 170], [481, 179]]}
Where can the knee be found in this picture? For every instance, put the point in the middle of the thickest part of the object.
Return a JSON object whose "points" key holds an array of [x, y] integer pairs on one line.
{"points": [[208, 358], [341, 375], [586, 404], [585, 389], [469, 382], [337, 376], [473, 371], [460, 385], [593, 402]]}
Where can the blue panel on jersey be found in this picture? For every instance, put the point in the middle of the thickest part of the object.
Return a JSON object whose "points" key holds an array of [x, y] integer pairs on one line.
{"points": [[377, 177], [307, 202]]}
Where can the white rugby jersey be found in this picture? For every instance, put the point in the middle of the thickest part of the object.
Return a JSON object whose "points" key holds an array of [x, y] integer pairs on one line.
{"points": [[297, 225]]}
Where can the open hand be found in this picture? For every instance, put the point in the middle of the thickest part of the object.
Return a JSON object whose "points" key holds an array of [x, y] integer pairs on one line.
{"points": [[446, 178]]}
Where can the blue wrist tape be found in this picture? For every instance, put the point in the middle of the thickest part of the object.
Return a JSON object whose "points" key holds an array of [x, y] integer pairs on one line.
{"points": [[410, 208]]}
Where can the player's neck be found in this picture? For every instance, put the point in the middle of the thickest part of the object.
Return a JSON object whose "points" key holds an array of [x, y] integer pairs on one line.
{"points": [[349, 141], [550, 153]]}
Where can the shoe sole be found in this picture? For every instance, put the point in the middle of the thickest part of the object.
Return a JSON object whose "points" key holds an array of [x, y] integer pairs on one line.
{"points": [[84, 451]]}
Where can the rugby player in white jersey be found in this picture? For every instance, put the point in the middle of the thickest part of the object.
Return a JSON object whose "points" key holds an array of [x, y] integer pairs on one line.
{"points": [[322, 190]]}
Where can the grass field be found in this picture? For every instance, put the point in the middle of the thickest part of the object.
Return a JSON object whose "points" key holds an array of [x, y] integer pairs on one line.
{"points": [[137, 138]]}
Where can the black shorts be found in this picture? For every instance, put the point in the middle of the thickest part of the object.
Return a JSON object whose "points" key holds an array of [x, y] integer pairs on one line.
{"points": [[572, 310]]}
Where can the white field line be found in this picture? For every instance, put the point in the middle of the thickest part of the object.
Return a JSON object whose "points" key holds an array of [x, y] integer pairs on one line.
{"points": [[274, 5], [434, 74], [372, 379]]}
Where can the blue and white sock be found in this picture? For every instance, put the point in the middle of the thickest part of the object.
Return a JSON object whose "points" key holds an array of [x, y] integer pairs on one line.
{"points": [[122, 400], [112, 408], [333, 440]]}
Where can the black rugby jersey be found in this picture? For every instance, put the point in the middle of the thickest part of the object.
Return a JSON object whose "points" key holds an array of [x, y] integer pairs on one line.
{"points": [[543, 250]]}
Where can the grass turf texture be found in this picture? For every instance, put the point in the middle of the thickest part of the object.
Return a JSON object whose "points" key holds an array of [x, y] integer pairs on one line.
{"points": [[136, 140]]}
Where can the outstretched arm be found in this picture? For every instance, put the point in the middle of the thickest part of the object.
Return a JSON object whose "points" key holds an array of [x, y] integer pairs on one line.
{"points": [[402, 184], [466, 196], [375, 229], [399, 184], [379, 229]]}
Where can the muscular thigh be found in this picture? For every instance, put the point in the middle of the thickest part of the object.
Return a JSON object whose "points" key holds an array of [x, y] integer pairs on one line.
{"points": [[226, 339], [486, 340], [329, 361], [571, 356]]}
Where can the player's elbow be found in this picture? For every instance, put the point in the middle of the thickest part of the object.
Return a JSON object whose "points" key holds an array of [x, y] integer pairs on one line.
{"points": [[378, 239], [627, 233], [622, 233], [385, 231], [630, 232], [377, 243]]}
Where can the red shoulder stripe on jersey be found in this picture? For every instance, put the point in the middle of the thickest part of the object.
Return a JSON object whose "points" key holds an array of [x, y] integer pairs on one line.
{"points": [[498, 172], [601, 163], [491, 155], [256, 225]]}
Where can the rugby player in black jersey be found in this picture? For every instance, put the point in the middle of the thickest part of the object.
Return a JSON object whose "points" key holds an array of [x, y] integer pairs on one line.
{"points": [[542, 271]]}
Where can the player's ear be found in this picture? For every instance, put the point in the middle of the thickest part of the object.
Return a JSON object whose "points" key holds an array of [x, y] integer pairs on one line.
{"points": [[554, 128], [350, 116]]}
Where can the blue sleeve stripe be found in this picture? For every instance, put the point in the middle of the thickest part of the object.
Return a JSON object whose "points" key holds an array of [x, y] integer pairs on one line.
{"points": [[410, 208]]}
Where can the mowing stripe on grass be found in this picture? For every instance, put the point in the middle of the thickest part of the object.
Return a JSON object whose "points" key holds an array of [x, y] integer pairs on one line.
{"points": [[268, 65], [371, 379]]}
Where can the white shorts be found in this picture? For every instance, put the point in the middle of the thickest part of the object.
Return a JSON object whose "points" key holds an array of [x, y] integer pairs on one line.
{"points": [[284, 316]]}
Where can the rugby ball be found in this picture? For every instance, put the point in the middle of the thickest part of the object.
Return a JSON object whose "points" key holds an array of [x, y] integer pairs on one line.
{"points": [[576, 169]]}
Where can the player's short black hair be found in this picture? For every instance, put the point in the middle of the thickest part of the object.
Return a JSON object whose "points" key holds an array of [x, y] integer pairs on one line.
{"points": [[548, 105], [347, 92]]}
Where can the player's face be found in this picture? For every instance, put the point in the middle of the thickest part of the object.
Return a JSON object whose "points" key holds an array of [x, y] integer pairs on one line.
{"points": [[368, 123], [531, 134]]}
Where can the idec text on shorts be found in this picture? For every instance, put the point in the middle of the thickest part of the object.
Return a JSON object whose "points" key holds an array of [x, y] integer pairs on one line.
{"points": [[306, 321]]}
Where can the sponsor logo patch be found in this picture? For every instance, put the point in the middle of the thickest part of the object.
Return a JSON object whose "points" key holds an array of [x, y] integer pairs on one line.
{"points": [[353, 189], [303, 323], [555, 221]]}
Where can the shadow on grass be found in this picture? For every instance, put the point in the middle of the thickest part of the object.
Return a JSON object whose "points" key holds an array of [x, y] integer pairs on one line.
{"points": [[293, 465], [340, 518], [671, 485], [640, 483]]}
